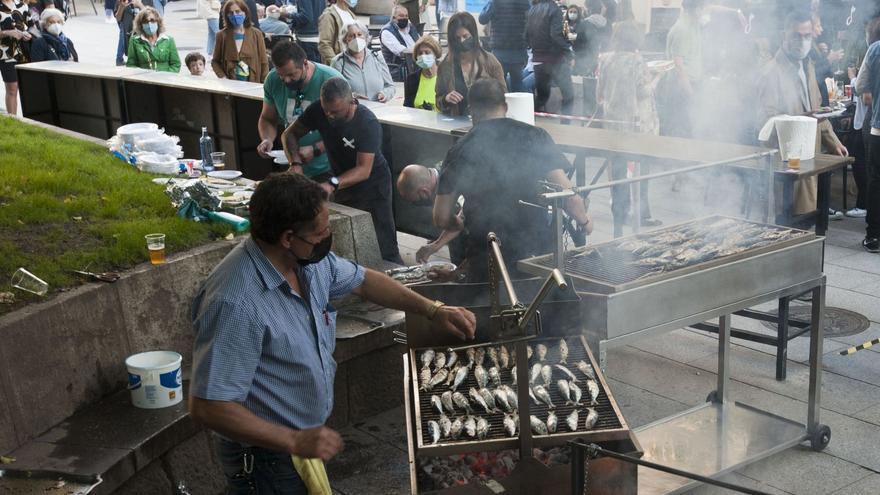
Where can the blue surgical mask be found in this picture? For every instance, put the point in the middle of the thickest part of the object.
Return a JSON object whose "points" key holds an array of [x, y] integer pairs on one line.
{"points": [[236, 19], [425, 61], [352, 3], [151, 28]]}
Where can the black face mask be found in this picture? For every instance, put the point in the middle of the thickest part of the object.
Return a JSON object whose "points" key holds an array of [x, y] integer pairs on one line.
{"points": [[402, 23], [319, 250], [467, 45]]}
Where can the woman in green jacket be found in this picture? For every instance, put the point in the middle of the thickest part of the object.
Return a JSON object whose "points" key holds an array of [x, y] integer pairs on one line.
{"points": [[150, 47]]}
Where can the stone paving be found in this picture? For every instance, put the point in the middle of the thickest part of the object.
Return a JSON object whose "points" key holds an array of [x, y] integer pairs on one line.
{"points": [[664, 375]]}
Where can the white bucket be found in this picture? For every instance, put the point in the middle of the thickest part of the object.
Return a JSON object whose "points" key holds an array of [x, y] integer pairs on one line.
{"points": [[521, 107], [154, 379], [797, 131], [130, 133]]}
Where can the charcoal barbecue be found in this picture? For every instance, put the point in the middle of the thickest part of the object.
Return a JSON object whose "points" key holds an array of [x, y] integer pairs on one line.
{"points": [[648, 284], [502, 318]]}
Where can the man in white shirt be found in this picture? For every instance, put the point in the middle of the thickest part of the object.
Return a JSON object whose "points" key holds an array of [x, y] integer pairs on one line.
{"points": [[398, 38]]}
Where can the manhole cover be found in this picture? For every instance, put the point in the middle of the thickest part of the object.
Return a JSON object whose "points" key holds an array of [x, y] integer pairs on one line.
{"points": [[839, 322]]}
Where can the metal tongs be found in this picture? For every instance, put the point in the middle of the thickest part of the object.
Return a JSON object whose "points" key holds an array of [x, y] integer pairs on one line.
{"points": [[516, 319], [108, 277]]}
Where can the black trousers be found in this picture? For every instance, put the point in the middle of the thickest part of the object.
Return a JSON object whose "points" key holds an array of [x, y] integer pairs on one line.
{"points": [[380, 209], [547, 75], [872, 199], [311, 50], [858, 150], [515, 73]]}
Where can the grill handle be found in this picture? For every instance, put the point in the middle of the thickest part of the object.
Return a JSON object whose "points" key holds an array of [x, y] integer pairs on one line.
{"points": [[554, 279]]}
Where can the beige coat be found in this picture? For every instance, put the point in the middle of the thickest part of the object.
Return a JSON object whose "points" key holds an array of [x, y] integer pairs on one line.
{"points": [[779, 93], [488, 68], [329, 27]]}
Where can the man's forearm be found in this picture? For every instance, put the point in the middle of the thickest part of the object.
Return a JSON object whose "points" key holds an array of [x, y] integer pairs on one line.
{"points": [[381, 289], [266, 129], [234, 421]]}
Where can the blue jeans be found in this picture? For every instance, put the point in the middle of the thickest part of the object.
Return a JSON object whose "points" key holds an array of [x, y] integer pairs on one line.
{"points": [[257, 471], [120, 47], [213, 27]]}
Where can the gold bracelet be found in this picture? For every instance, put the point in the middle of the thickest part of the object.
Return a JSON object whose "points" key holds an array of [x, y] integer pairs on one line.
{"points": [[435, 306]]}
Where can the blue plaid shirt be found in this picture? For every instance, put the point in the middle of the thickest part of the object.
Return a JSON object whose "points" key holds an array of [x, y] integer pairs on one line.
{"points": [[260, 344]]}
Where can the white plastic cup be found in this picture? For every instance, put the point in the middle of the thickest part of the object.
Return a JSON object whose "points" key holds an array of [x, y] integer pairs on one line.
{"points": [[219, 159], [27, 281], [154, 379]]}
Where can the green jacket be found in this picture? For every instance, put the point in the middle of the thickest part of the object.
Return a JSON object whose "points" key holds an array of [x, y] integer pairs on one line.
{"points": [[162, 58]]}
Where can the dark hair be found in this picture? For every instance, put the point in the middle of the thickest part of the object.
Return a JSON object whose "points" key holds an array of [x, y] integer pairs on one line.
{"points": [[193, 57], [284, 202], [285, 51], [872, 29], [334, 89], [594, 6], [626, 37], [224, 11], [462, 20], [795, 18], [485, 96]]}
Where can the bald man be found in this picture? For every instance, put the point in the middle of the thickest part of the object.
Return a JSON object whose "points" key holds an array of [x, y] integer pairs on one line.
{"points": [[417, 184]]}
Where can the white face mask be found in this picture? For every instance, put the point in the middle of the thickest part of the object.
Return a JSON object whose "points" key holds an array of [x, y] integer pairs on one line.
{"points": [[274, 14], [54, 29], [357, 45], [799, 51]]}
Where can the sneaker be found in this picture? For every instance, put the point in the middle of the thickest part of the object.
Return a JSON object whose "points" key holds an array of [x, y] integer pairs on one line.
{"points": [[871, 244], [834, 214], [857, 213]]}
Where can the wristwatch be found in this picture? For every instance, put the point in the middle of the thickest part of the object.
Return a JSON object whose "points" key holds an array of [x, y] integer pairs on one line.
{"points": [[334, 181]]}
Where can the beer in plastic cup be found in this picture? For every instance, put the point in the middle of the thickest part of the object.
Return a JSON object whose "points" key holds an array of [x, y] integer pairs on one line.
{"points": [[219, 159], [156, 247], [794, 156]]}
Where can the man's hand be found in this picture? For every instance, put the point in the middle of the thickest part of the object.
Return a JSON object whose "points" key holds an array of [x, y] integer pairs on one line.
{"points": [[835, 55], [841, 150], [328, 188], [380, 97], [321, 442], [867, 99], [455, 321], [454, 97], [425, 252], [264, 148]]}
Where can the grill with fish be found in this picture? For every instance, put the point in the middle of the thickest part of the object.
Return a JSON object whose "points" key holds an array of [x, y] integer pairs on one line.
{"points": [[478, 397], [673, 248]]}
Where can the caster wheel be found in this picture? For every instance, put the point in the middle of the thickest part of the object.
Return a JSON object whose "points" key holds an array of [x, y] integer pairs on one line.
{"points": [[712, 397], [820, 438]]}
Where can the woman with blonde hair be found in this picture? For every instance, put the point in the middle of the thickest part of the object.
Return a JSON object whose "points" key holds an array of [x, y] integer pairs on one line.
{"points": [[420, 87], [150, 48], [239, 50]]}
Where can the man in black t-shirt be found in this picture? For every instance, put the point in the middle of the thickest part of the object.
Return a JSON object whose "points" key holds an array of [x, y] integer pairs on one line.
{"points": [[352, 138], [497, 164]]}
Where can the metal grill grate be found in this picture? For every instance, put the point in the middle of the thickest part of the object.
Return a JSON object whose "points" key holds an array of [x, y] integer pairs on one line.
{"points": [[607, 417], [611, 264]]}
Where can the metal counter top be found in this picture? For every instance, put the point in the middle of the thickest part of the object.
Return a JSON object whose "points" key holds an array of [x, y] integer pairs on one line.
{"points": [[82, 69], [423, 120], [213, 85]]}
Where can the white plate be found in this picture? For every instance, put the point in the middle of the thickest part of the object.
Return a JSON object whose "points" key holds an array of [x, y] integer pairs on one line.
{"points": [[281, 160], [243, 195], [277, 153], [225, 174]]}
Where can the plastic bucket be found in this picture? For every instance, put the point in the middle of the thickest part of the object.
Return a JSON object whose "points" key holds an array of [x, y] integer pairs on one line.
{"points": [[154, 379], [129, 133]]}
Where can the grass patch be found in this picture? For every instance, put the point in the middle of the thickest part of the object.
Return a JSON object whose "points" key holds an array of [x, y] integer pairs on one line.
{"points": [[67, 204]]}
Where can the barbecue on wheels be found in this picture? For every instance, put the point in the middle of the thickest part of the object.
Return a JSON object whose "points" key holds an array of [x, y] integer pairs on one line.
{"points": [[820, 437]]}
